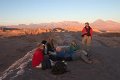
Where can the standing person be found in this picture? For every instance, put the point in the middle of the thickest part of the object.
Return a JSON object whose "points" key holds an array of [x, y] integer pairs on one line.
{"points": [[38, 57], [87, 33]]}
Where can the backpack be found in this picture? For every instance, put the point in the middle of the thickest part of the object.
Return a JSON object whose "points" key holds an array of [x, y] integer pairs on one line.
{"points": [[59, 68]]}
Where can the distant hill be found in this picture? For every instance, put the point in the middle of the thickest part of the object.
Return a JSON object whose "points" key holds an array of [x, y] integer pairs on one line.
{"points": [[98, 25], [106, 25]]}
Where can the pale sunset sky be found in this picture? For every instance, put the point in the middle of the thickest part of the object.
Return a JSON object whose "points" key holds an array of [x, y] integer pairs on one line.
{"points": [[41, 11]]}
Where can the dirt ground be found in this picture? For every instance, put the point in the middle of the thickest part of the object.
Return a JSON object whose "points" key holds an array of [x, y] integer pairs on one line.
{"points": [[105, 54]]}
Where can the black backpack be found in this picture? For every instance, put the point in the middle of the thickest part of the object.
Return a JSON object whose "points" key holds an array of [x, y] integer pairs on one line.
{"points": [[59, 68]]}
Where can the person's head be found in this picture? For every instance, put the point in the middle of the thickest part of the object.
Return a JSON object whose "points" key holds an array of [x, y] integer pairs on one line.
{"points": [[50, 40], [86, 24], [40, 46], [44, 42]]}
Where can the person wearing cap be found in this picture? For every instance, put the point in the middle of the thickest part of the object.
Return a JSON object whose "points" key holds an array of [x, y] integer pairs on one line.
{"points": [[87, 33], [44, 43]]}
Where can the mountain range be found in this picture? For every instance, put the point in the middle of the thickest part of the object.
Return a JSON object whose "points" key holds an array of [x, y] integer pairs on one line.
{"points": [[99, 24]]}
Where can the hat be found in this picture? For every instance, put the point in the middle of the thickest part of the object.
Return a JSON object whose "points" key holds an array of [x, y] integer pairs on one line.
{"points": [[44, 42]]}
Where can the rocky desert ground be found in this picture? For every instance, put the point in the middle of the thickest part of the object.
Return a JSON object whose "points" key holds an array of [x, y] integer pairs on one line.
{"points": [[105, 53]]}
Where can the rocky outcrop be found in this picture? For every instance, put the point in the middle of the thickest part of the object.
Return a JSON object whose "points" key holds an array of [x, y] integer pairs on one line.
{"points": [[18, 67]]}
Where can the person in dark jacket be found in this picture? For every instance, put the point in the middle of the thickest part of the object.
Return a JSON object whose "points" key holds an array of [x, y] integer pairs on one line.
{"points": [[87, 34], [46, 64], [51, 50], [50, 45]]}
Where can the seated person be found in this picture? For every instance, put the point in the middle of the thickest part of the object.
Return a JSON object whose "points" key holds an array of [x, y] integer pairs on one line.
{"points": [[38, 57], [44, 43], [51, 46], [51, 49], [46, 64]]}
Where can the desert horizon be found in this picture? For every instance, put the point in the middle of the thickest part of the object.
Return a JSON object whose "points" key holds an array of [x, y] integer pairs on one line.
{"points": [[59, 39]]}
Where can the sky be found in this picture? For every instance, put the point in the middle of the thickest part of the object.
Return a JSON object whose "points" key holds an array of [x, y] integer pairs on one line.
{"points": [[43, 11]]}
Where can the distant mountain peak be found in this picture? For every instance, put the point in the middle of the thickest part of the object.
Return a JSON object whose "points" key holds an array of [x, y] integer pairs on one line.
{"points": [[99, 21]]}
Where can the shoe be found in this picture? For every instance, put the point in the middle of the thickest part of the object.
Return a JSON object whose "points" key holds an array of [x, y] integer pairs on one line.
{"points": [[84, 52]]}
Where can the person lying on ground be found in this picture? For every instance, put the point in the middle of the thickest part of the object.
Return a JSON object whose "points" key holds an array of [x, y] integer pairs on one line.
{"points": [[61, 54]]}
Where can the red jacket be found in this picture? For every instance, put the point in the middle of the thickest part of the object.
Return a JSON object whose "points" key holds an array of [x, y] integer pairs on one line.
{"points": [[37, 57], [84, 31]]}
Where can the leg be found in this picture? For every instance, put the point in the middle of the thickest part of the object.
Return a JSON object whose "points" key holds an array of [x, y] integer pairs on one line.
{"points": [[88, 43], [84, 42], [85, 58]]}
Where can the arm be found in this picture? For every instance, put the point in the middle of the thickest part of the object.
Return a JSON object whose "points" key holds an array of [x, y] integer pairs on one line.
{"points": [[84, 32]]}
